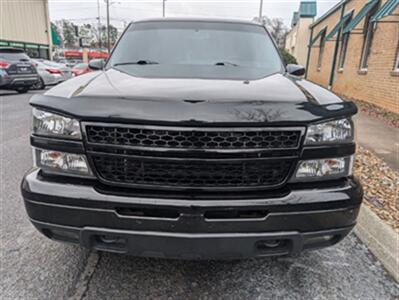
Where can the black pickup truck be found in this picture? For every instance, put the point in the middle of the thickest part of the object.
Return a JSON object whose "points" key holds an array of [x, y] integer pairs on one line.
{"points": [[193, 141]]}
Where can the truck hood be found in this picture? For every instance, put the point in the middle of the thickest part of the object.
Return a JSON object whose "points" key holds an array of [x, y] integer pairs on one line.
{"points": [[114, 96]]}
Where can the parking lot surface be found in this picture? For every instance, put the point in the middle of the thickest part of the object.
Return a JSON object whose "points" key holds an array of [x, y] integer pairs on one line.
{"points": [[33, 267]]}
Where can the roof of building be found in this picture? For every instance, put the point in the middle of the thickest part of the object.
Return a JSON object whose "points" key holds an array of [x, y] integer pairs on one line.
{"points": [[308, 8]]}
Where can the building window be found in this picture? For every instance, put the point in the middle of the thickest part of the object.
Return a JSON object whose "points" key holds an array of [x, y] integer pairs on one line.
{"points": [[32, 53], [368, 39], [344, 48], [396, 68], [44, 53], [321, 49], [344, 45]]}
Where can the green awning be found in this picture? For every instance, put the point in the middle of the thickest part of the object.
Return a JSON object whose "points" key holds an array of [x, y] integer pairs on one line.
{"points": [[339, 25], [385, 10], [323, 31], [3, 43], [54, 37], [362, 13], [17, 45], [32, 46]]}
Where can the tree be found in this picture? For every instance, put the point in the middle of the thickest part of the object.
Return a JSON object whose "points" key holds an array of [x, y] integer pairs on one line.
{"points": [[113, 35], [287, 58], [276, 28], [88, 32], [97, 36], [68, 32]]}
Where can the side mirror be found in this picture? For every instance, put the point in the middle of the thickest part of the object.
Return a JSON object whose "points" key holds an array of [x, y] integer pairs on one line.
{"points": [[296, 70], [96, 64]]}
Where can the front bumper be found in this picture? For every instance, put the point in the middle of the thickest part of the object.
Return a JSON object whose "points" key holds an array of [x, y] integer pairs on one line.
{"points": [[189, 228]]}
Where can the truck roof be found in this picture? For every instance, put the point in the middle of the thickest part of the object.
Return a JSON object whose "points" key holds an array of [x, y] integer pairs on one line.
{"points": [[197, 19]]}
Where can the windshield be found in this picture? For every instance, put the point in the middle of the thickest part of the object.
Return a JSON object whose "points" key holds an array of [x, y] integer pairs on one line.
{"points": [[196, 50]]}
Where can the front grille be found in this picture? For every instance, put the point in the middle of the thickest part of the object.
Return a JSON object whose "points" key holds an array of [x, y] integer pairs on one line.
{"points": [[180, 158], [191, 174], [178, 138]]}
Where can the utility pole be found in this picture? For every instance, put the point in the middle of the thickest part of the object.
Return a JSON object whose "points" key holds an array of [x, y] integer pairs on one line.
{"points": [[163, 8], [99, 24], [108, 29], [260, 10]]}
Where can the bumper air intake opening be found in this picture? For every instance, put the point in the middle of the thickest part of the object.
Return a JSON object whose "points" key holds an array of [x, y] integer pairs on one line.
{"points": [[235, 214], [148, 213]]}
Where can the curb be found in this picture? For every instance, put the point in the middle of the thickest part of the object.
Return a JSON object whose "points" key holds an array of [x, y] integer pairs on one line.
{"points": [[380, 238]]}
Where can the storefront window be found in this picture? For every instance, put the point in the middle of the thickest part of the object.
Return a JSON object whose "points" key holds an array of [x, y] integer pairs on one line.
{"points": [[32, 53], [44, 53]]}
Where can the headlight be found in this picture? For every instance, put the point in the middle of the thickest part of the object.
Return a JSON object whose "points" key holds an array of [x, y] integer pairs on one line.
{"points": [[62, 163], [50, 124], [326, 168], [337, 131]]}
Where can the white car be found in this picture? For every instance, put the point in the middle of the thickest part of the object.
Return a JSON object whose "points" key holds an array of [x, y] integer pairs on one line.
{"points": [[50, 73]]}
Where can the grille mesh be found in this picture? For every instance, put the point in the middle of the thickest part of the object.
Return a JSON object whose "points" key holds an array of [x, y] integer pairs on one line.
{"points": [[183, 139], [189, 174]]}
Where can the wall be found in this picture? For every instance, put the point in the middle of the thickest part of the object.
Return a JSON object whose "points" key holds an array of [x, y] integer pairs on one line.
{"points": [[302, 40], [24, 21], [297, 40], [380, 84]]}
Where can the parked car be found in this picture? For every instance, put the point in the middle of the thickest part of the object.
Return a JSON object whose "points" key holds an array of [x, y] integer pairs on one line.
{"points": [[49, 75], [71, 63], [16, 70], [80, 69], [62, 61], [66, 72], [205, 146]]}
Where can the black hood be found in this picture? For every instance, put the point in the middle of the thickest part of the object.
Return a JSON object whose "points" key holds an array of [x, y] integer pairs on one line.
{"points": [[114, 96]]}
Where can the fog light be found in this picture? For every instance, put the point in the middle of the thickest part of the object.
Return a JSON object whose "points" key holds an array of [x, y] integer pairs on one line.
{"points": [[326, 168], [62, 163]]}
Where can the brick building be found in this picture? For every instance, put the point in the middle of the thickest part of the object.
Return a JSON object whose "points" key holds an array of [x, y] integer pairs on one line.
{"points": [[354, 50]]}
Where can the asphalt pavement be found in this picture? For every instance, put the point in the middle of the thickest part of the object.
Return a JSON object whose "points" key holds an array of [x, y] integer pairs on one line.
{"points": [[33, 267]]}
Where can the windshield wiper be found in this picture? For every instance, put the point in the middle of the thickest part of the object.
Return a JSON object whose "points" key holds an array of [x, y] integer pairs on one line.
{"points": [[226, 63], [139, 62]]}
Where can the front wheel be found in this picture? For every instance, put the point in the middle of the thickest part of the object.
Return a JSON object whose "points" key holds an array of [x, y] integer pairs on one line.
{"points": [[22, 90]]}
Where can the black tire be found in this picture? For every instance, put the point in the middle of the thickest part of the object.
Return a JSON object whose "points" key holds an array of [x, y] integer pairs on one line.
{"points": [[38, 85], [22, 90]]}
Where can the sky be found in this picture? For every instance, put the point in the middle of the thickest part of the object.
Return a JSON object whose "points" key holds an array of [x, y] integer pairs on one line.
{"points": [[124, 11]]}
